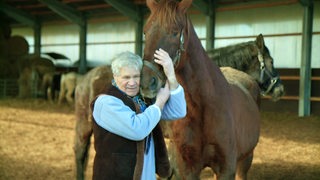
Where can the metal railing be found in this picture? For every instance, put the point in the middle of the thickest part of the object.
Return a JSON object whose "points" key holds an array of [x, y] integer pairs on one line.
{"points": [[9, 88]]}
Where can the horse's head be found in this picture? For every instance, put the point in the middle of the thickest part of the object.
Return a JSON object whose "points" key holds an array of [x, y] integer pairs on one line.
{"points": [[268, 78], [166, 29]]}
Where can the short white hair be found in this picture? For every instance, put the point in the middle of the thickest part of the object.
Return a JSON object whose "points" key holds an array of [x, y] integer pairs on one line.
{"points": [[126, 59]]}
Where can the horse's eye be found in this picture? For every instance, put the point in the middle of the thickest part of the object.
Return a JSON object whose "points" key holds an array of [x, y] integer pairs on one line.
{"points": [[175, 34], [153, 83]]}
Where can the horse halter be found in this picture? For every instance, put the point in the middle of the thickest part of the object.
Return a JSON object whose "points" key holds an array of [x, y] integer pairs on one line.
{"points": [[176, 59], [263, 70]]}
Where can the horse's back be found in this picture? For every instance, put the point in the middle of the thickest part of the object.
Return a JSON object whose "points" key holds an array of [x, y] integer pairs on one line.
{"points": [[243, 81]]}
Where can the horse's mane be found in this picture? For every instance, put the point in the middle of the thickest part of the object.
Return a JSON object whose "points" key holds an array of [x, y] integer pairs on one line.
{"points": [[238, 56], [168, 16]]}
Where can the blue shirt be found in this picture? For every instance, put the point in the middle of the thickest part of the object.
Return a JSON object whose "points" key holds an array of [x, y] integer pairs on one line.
{"points": [[136, 127]]}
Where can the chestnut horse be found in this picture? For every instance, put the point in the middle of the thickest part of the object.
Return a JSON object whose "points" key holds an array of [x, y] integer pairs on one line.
{"points": [[253, 58], [95, 82], [221, 129]]}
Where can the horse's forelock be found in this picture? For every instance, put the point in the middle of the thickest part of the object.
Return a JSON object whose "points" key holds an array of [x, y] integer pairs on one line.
{"points": [[167, 15]]}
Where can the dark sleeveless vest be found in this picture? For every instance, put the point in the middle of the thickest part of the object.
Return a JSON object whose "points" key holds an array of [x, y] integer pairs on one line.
{"points": [[118, 158]]}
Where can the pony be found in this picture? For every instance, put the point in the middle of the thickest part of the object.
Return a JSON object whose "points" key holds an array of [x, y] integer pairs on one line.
{"points": [[253, 58], [31, 76], [60, 86], [68, 84], [222, 126], [94, 82]]}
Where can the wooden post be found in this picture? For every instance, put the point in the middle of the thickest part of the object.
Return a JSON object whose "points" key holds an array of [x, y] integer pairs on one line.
{"points": [[305, 69], [211, 21], [83, 49], [37, 39], [139, 33]]}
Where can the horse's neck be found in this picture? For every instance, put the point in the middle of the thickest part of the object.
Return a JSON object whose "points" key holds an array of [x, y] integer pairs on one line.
{"points": [[198, 58], [236, 56], [198, 68]]}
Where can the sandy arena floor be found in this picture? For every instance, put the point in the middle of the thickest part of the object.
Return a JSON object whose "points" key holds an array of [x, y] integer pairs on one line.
{"points": [[37, 140]]}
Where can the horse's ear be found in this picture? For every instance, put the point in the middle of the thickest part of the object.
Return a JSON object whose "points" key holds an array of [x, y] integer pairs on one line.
{"points": [[184, 5], [152, 4], [260, 42]]}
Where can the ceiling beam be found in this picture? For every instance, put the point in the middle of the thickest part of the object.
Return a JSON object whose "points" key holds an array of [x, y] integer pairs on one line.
{"points": [[65, 11], [202, 6], [127, 8], [18, 15], [306, 2]]}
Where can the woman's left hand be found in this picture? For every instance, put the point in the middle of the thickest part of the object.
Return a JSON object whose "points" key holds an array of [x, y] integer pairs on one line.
{"points": [[163, 58]]}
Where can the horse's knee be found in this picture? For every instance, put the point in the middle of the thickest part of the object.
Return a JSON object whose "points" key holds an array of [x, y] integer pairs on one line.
{"points": [[49, 95], [69, 99]]}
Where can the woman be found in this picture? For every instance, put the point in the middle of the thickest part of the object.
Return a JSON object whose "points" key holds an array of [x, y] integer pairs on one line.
{"points": [[124, 125]]}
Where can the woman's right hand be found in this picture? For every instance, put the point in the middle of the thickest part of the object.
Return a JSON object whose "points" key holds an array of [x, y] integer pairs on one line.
{"points": [[163, 96]]}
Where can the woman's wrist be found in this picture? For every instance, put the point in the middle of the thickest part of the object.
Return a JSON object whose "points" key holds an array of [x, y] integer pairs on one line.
{"points": [[173, 83]]}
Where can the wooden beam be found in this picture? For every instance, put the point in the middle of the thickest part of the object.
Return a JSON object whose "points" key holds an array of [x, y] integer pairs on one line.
{"points": [[254, 5], [18, 15], [139, 34], [295, 98], [306, 2], [296, 78], [65, 11], [202, 6], [125, 7]]}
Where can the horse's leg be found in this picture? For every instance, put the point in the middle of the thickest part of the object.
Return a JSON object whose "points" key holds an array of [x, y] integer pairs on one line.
{"points": [[179, 165], [49, 95], [62, 89], [243, 167], [70, 86], [69, 94], [82, 145], [225, 168], [61, 96]]}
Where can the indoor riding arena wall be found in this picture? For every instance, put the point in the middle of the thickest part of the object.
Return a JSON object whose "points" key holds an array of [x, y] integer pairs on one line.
{"points": [[290, 101]]}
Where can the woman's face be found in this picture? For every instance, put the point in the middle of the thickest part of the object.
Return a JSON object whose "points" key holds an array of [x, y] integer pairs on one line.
{"points": [[128, 80]]}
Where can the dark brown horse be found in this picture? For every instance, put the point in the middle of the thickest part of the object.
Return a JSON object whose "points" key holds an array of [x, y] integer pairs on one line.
{"points": [[222, 125], [253, 58]]}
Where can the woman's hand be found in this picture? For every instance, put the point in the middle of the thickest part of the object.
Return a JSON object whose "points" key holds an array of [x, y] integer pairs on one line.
{"points": [[163, 58], [163, 96]]}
